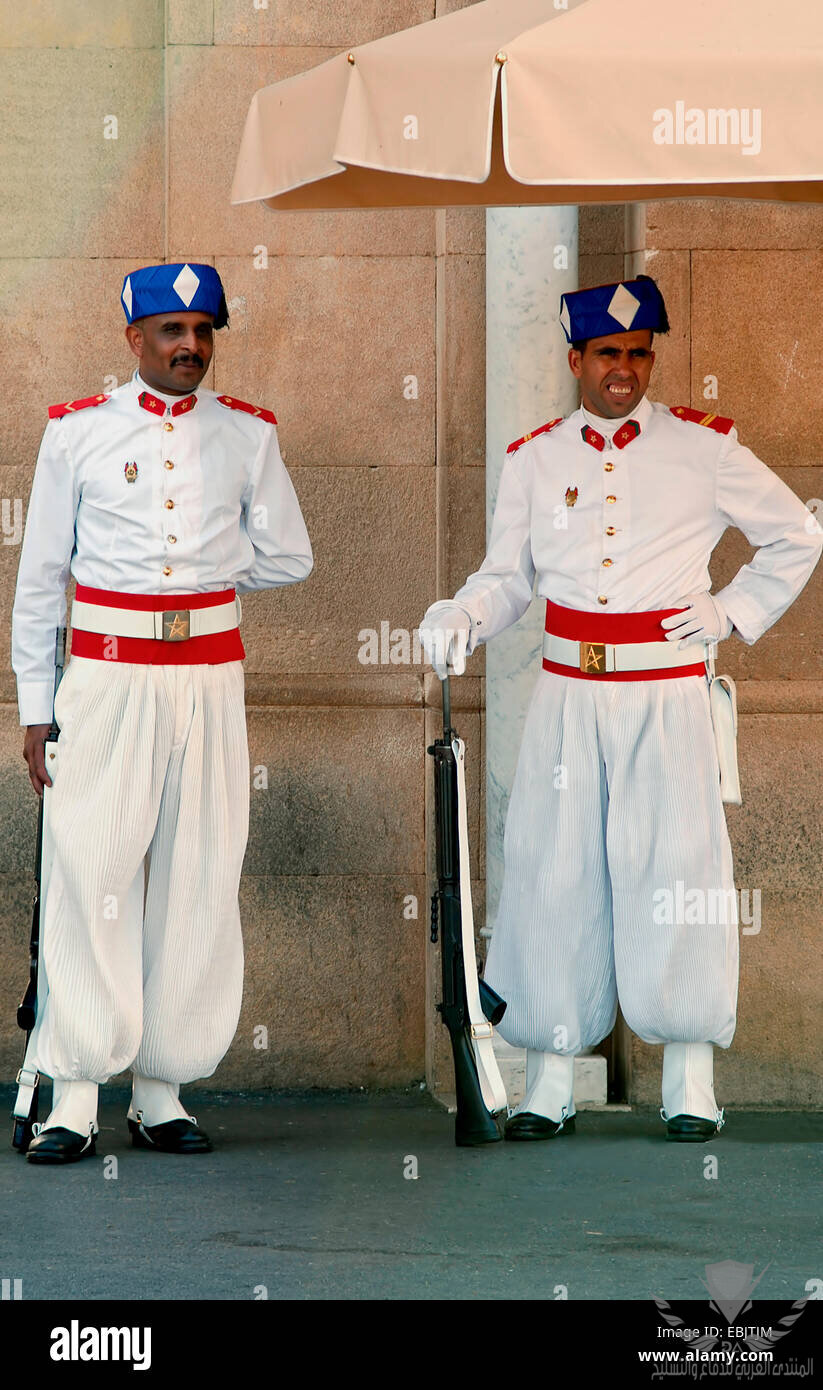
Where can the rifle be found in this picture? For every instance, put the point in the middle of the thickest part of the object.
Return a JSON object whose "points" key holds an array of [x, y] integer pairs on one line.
{"points": [[25, 1110], [469, 1007]]}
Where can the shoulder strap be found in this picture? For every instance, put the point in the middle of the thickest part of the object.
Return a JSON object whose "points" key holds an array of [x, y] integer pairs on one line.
{"points": [[232, 403], [721, 423], [526, 437], [56, 412]]}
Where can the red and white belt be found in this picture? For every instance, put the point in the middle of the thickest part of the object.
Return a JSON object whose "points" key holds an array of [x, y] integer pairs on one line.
{"points": [[158, 629], [615, 646]]}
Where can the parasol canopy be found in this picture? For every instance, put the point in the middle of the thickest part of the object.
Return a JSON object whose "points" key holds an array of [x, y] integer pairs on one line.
{"points": [[537, 101]]}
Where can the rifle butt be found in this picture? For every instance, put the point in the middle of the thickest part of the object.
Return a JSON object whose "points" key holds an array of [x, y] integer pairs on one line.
{"points": [[21, 1135], [492, 1004], [474, 1123], [26, 1013]]}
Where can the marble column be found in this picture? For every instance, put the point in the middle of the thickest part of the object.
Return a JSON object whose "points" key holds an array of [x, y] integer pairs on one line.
{"points": [[531, 259]]}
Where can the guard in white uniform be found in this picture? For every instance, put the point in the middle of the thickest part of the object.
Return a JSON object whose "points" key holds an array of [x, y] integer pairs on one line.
{"points": [[164, 501], [616, 799]]}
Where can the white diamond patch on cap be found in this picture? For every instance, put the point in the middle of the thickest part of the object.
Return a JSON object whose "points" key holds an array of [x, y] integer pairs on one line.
{"points": [[127, 295], [186, 285], [564, 318], [623, 306]]}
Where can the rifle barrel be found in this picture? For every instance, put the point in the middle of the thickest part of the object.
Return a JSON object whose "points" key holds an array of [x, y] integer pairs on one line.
{"points": [[447, 708]]}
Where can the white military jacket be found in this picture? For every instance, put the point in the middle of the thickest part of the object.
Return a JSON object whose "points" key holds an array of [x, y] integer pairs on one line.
{"points": [[632, 529], [138, 499]]}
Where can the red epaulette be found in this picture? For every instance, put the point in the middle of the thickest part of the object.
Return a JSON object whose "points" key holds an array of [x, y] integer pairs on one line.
{"points": [[56, 412], [721, 423], [234, 404], [526, 437]]}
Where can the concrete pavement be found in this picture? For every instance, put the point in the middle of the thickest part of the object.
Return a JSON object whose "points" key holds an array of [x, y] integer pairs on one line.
{"points": [[314, 1197]]}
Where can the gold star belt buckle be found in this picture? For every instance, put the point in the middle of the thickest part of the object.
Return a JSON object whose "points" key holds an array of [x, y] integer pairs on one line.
{"points": [[593, 658], [177, 625]]}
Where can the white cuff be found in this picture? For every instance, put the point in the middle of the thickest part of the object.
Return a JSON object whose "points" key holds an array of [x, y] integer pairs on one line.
{"points": [[35, 701], [747, 625], [726, 622]]}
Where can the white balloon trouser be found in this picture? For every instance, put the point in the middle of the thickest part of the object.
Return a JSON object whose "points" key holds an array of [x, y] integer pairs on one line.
{"points": [[615, 802], [152, 760]]}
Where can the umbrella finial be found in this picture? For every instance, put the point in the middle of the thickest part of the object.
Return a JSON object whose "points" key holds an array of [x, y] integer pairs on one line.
{"points": [[501, 57], [350, 57]]}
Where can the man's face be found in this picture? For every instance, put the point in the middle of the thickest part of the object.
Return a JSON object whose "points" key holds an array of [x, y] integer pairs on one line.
{"points": [[614, 372], [174, 349]]}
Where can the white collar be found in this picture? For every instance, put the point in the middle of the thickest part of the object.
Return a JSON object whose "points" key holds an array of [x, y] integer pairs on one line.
{"points": [[141, 385], [607, 427]]}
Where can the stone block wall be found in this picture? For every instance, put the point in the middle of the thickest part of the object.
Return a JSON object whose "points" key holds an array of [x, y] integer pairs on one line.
{"points": [[743, 286], [365, 332]]}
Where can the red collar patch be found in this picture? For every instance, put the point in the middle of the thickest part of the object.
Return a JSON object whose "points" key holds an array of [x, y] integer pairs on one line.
{"points": [[150, 402], [590, 436], [158, 407], [627, 432], [621, 437]]}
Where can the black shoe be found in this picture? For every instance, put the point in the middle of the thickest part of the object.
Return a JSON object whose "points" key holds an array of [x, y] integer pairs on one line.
{"points": [[174, 1137], [691, 1129], [61, 1146], [526, 1125]]}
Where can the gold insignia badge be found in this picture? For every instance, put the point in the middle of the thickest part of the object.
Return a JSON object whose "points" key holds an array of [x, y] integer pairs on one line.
{"points": [[176, 626], [131, 472], [593, 657], [571, 496]]}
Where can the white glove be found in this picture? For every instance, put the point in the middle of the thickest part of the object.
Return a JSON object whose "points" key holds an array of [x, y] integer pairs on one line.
{"points": [[704, 619], [444, 638]]}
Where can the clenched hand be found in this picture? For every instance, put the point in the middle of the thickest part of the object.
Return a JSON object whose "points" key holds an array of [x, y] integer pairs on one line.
{"points": [[34, 754]]}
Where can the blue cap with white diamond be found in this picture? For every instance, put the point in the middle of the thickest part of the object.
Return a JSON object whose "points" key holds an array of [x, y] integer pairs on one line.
{"points": [[622, 307], [167, 289]]}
